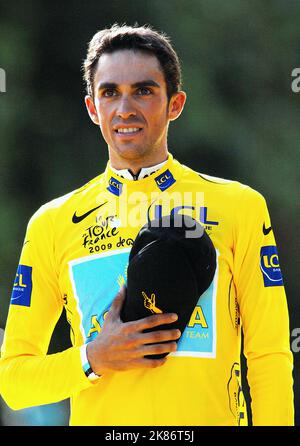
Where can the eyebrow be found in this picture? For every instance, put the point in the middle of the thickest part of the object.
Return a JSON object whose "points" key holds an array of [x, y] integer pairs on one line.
{"points": [[146, 83]]}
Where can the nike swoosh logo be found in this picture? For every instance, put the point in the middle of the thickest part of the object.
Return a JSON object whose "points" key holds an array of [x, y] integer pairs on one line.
{"points": [[15, 298], [266, 230], [79, 218]]}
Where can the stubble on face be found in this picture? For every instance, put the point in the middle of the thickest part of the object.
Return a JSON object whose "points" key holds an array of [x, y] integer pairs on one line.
{"points": [[123, 98]]}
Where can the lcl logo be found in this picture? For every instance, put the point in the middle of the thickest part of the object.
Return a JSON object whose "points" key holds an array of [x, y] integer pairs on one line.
{"points": [[19, 281], [269, 265], [271, 262], [165, 180], [202, 213], [115, 186]]}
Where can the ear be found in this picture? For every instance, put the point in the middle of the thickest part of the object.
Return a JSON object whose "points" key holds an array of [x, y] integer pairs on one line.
{"points": [[91, 109], [176, 105]]}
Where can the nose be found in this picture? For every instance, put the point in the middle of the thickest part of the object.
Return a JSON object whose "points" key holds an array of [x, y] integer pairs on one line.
{"points": [[125, 108]]}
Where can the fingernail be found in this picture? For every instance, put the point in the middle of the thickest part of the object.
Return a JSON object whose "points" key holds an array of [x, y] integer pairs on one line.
{"points": [[174, 317]]}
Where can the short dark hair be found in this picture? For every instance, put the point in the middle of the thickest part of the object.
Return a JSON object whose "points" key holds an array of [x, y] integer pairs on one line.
{"points": [[140, 38]]}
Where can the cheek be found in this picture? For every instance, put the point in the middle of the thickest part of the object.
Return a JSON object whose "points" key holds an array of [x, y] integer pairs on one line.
{"points": [[103, 116], [156, 109], [157, 115]]}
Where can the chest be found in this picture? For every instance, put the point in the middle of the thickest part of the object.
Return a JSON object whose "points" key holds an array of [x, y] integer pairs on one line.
{"points": [[92, 256]]}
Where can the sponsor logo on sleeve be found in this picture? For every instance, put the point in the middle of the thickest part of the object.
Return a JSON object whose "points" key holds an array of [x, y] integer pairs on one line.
{"points": [[269, 264], [165, 180], [21, 293]]}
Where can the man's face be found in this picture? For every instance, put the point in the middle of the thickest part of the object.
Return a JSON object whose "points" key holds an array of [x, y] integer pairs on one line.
{"points": [[131, 105]]}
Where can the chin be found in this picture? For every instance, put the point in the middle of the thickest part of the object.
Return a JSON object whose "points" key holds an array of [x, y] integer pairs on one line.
{"points": [[130, 153]]}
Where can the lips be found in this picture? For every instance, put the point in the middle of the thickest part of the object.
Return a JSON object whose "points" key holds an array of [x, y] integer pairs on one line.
{"points": [[124, 130]]}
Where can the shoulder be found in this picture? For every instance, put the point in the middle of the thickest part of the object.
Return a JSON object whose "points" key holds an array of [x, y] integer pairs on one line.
{"points": [[216, 180], [226, 187], [48, 212], [229, 197]]}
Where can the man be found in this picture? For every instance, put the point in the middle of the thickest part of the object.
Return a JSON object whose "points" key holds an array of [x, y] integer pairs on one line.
{"points": [[76, 253]]}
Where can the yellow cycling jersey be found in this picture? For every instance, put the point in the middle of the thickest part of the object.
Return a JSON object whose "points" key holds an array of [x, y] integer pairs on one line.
{"points": [[75, 255]]}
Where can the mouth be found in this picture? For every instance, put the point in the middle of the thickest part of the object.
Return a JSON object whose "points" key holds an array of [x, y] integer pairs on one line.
{"points": [[129, 131]]}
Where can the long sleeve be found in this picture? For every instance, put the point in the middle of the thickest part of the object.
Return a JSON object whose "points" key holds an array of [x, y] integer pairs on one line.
{"points": [[28, 376], [264, 313]]}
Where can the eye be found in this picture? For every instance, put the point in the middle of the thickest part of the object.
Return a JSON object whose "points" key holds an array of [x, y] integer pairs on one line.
{"points": [[144, 91], [109, 93]]}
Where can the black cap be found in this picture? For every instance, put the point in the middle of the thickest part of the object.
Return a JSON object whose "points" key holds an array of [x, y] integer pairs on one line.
{"points": [[171, 264]]}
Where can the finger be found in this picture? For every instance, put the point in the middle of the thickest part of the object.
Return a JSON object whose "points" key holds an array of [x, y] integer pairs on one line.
{"points": [[156, 349], [152, 321], [117, 303], [158, 336], [149, 363]]}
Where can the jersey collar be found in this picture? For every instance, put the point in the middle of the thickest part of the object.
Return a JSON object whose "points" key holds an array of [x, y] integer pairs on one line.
{"points": [[168, 173], [143, 173]]}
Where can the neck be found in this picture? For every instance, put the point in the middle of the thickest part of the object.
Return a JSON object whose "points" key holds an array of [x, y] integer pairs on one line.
{"points": [[136, 164]]}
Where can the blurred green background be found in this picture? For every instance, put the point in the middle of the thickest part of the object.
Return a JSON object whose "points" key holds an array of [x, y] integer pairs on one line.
{"points": [[241, 120]]}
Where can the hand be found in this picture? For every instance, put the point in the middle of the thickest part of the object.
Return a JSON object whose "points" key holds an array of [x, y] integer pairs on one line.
{"points": [[122, 346]]}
